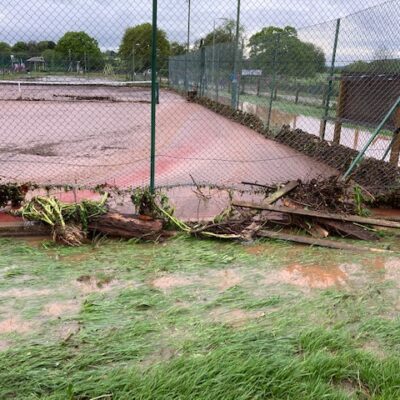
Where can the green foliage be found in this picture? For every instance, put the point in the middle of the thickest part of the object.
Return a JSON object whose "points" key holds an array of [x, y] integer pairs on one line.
{"points": [[12, 193], [176, 49], [225, 33], [359, 202], [5, 48], [293, 57], [79, 46], [137, 43], [151, 204], [46, 45], [54, 60], [387, 66], [69, 222], [20, 47]]}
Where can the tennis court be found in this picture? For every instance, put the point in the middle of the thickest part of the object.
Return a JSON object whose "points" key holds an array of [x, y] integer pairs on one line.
{"points": [[91, 133]]}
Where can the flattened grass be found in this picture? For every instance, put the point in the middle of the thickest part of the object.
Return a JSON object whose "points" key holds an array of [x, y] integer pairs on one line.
{"points": [[135, 341]]}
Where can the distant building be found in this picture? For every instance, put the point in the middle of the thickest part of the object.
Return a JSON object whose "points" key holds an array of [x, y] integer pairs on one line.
{"points": [[36, 63]]}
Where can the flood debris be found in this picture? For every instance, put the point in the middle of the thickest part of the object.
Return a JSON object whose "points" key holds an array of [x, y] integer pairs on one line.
{"points": [[308, 213]]}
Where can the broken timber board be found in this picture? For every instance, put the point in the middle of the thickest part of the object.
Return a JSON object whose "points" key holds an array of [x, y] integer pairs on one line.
{"points": [[316, 242], [281, 192], [317, 214], [349, 229], [23, 228]]}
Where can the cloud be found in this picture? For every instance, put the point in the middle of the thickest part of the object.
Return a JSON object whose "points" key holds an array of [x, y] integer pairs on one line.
{"points": [[107, 20]]}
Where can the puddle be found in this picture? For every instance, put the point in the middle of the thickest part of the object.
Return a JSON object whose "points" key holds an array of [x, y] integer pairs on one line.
{"points": [[309, 277], [354, 138], [375, 349], [313, 277], [89, 284], [67, 330], [255, 250], [236, 317], [171, 281], [76, 257], [161, 355], [392, 271], [221, 279], [59, 309], [25, 292], [4, 345], [14, 325], [225, 279]]}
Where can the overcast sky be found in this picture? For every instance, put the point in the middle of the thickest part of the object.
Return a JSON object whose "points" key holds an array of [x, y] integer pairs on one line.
{"points": [[106, 20]]}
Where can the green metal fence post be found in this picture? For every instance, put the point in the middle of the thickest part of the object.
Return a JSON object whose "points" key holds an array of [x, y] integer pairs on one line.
{"points": [[274, 62], [153, 97], [330, 83], [186, 83], [202, 70], [234, 94]]}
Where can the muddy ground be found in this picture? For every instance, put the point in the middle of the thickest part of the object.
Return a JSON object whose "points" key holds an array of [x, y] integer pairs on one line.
{"points": [[93, 142]]}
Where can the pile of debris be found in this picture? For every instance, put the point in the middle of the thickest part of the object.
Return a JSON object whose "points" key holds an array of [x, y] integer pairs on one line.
{"points": [[299, 212], [305, 213]]}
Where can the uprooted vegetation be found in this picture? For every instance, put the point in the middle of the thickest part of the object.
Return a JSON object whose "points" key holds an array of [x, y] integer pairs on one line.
{"points": [[303, 212], [69, 223]]}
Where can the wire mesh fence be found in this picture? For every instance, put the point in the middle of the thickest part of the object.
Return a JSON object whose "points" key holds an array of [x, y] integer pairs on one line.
{"points": [[275, 92]]}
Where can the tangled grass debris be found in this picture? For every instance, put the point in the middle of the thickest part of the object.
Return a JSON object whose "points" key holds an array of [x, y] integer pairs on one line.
{"points": [[68, 222]]}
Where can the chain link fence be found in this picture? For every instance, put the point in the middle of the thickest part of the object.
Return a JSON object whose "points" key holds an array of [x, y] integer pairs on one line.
{"points": [[275, 92]]}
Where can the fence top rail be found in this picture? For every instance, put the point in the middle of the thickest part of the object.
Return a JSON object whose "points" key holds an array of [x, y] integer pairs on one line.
{"points": [[74, 83]]}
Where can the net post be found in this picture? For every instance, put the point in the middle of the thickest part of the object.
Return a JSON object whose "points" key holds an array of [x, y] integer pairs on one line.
{"points": [[153, 96], [330, 83], [234, 94], [273, 83]]}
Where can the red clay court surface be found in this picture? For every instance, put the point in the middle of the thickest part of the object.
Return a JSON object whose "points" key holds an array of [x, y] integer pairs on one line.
{"points": [[96, 142]]}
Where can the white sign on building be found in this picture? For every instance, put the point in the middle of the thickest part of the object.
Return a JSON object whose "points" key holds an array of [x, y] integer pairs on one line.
{"points": [[251, 72]]}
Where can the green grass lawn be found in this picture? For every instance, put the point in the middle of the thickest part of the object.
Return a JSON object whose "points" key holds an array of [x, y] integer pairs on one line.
{"points": [[198, 319]]}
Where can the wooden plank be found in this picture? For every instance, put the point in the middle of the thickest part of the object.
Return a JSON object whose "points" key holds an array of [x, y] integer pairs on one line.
{"points": [[339, 112], [23, 228], [395, 151], [349, 229], [316, 242], [317, 214], [281, 192]]}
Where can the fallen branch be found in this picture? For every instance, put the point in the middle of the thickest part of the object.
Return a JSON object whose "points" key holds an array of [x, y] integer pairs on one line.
{"points": [[316, 242], [115, 224], [258, 185]]}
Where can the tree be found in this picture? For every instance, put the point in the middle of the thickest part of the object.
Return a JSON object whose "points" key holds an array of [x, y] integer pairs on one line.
{"points": [[80, 47], [46, 45], [20, 47], [136, 44], [292, 56], [225, 33], [5, 48], [176, 49], [383, 66]]}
